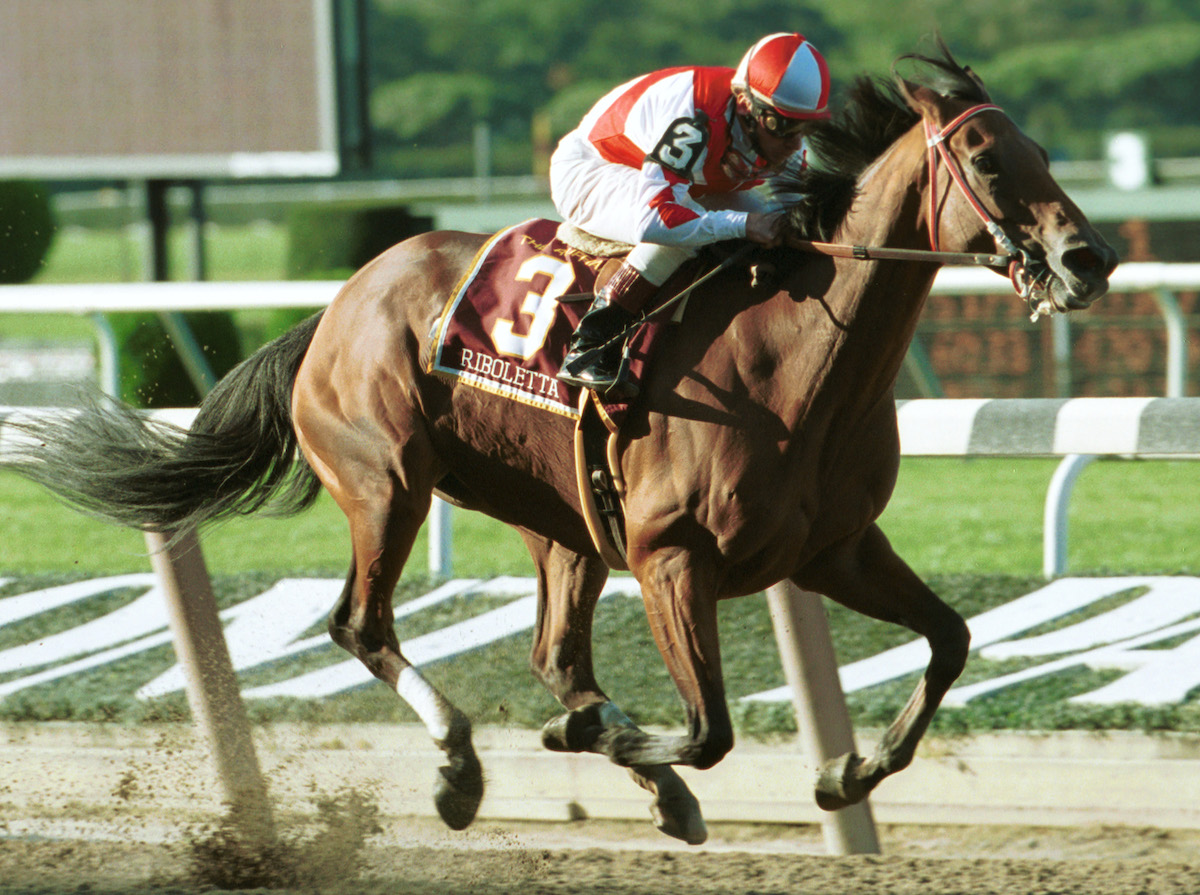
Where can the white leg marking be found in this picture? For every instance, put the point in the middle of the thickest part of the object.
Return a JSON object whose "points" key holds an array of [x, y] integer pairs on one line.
{"points": [[425, 701]]}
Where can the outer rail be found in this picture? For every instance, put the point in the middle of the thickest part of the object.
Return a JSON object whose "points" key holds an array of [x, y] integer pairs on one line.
{"points": [[1079, 430]]}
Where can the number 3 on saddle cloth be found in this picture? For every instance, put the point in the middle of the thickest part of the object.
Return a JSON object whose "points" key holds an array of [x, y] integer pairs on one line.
{"points": [[504, 329]]}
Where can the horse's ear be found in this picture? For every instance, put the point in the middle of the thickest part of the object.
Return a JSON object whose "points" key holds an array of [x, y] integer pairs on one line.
{"points": [[978, 82], [922, 100]]}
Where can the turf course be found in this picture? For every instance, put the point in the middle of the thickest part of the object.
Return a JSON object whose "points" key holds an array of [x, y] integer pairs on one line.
{"points": [[973, 528], [493, 686], [948, 516]]}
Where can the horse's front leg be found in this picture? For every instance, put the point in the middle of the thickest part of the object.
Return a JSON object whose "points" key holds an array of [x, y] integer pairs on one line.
{"points": [[569, 586], [680, 600], [865, 575]]}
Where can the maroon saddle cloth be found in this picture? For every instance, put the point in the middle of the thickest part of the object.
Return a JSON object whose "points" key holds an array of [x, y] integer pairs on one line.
{"points": [[504, 329]]}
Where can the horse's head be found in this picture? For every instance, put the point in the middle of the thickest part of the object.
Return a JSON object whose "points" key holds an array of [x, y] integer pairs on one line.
{"points": [[989, 184]]}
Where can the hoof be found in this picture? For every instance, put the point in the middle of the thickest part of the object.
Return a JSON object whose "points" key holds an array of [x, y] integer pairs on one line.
{"points": [[458, 789], [675, 811], [839, 784]]}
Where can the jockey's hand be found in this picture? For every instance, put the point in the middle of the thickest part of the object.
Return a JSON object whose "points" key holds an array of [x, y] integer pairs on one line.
{"points": [[765, 229]]}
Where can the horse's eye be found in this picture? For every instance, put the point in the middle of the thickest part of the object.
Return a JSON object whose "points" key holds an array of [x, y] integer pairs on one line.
{"points": [[985, 164]]}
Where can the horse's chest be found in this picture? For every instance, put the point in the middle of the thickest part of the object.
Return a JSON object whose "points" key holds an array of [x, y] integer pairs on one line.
{"points": [[813, 492]]}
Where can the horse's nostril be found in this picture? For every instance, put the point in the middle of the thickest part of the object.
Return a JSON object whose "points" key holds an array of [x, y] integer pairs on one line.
{"points": [[1087, 261]]}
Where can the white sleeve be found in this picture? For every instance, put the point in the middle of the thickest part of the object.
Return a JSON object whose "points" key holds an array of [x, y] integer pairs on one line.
{"points": [[669, 216], [665, 124]]}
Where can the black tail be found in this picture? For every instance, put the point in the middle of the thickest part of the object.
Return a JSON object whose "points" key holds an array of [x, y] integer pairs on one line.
{"points": [[111, 461]]}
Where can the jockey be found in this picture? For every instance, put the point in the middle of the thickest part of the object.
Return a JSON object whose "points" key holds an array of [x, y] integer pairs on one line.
{"points": [[665, 163]]}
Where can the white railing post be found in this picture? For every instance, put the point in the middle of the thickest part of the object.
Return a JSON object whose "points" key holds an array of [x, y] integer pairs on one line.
{"points": [[441, 539], [108, 356], [1177, 342], [1054, 518], [1060, 332], [212, 686], [810, 667]]}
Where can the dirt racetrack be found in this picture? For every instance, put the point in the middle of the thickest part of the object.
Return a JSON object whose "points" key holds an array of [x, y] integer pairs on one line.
{"points": [[109, 810], [407, 857]]}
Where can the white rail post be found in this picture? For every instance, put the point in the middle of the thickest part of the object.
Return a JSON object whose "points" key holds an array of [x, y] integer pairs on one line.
{"points": [[441, 539], [1177, 342], [212, 687], [1054, 519], [810, 666], [1060, 329], [108, 355]]}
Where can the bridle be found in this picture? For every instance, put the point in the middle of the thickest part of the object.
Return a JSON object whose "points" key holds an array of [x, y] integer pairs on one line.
{"points": [[1019, 262], [1027, 284]]}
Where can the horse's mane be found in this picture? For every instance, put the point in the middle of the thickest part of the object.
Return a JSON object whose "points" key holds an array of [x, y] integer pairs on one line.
{"points": [[872, 116]]}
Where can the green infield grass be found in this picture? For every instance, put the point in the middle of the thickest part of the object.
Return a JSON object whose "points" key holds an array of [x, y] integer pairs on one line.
{"points": [[256, 251], [948, 516]]}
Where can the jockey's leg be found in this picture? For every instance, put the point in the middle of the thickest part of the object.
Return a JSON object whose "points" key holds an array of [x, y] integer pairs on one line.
{"points": [[594, 353]]}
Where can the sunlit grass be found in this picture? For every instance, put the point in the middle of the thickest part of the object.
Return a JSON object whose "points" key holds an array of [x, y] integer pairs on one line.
{"points": [[41, 536], [947, 517], [255, 251], [986, 516]]}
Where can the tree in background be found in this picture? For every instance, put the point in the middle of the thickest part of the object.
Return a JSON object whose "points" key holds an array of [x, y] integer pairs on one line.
{"points": [[27, 229], [440, 68], [1068, 71]]}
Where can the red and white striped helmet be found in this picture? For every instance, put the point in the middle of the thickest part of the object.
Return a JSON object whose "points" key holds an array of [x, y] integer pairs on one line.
{"points": [[785, 72]]}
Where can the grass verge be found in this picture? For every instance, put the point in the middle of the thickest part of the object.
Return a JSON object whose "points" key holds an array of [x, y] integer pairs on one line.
{"points": [[948, 516]]}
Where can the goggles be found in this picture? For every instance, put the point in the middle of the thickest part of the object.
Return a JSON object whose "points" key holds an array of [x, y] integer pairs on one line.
{"points": [[778, 125]]}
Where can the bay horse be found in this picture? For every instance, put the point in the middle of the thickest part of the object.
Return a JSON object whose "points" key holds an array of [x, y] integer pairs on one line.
{"points": [[763, 447]]}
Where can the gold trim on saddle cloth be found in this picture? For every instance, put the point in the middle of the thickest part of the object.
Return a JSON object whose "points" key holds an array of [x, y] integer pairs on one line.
{"points": [[437, 333]]}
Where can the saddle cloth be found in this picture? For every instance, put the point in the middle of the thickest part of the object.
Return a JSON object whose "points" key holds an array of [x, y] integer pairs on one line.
{"points": [[504, 330]]}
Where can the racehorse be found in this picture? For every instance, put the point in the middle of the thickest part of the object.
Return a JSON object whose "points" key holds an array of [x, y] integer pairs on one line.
{"points": [[763, 447]]}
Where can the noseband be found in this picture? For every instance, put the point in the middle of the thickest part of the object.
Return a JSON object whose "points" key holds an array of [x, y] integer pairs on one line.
{"points": [[1028, 286]]}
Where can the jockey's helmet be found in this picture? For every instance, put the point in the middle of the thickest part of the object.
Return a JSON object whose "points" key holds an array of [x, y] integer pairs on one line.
{"points": [[786, 80]]}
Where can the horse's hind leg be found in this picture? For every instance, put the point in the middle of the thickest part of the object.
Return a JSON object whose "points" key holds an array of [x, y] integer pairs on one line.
{"points": [[385, 492], [569, 585], [363, 627], [867, 576]]}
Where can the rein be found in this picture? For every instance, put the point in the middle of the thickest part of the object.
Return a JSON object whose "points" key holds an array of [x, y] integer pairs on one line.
{"points": [[871, 253], [1017, 261]]}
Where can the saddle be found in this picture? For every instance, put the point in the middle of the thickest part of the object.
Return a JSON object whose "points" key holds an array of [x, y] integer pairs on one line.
{"points": [[505, 327]]}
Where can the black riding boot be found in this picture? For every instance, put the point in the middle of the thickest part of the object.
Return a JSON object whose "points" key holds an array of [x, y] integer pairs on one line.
{"points": [[594, 353]]}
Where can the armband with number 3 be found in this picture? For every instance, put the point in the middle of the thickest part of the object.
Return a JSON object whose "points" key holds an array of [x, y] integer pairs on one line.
{"points": [[682, 145]]}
